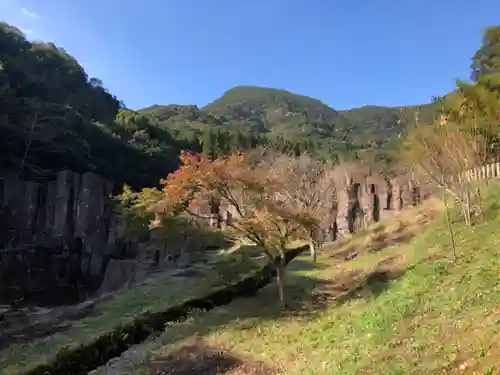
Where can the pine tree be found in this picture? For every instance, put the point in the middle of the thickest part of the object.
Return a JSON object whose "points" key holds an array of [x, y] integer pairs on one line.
{"points": [[223, 142], [239, 141], [208, 144], [297, 149]]}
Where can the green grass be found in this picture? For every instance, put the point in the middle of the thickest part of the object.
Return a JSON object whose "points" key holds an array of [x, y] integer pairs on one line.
{"points": [[158, 295], [407, 309]]}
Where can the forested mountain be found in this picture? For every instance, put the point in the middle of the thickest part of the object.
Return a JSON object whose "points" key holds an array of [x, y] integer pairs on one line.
{"points": [[283, 113], [377, 123], [280, 118], [278, 112], [54, 116]]}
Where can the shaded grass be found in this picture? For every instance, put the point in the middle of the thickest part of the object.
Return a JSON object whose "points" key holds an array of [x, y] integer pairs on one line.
{"points": [[404, 309], [155, 296], [198, 358]]}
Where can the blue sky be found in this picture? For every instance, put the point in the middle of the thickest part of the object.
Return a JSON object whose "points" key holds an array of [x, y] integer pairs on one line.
{"points": [[346, 53]]}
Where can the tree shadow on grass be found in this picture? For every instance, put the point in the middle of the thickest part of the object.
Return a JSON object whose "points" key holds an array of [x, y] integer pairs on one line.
{"points": [[307, 297], [243, 313], [374, 242], [357, 284], [200, 358], [305, 265], [383, 240]]}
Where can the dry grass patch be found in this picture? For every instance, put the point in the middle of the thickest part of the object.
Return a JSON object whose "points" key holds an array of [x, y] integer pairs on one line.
{"points": [[400, 228], [343, 284], [200, 358]]}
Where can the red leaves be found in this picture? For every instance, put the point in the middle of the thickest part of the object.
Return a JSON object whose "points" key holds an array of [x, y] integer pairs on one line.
{"points": [[251, 190]]}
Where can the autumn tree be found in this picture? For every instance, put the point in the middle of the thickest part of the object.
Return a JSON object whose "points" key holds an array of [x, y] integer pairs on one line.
{"points": [[466, 134], [137, 220], [444, 151], [251, 193]]}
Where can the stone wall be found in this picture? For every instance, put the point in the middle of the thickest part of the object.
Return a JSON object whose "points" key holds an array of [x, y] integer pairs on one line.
{"points": [[73, 211]]}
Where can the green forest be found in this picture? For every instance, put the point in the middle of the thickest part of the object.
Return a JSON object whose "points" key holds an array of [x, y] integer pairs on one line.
{"points": [[53, 116]]}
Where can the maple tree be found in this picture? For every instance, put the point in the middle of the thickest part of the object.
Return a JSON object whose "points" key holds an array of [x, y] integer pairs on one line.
{"points": [[254, 196], [138, 221]]}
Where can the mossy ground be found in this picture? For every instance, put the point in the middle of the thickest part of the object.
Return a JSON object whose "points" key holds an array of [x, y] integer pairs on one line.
{"points": [[400, 305]]}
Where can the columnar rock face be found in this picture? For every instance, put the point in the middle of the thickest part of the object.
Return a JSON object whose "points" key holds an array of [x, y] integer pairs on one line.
{"points": [[415, 194], [353, 207], [400, 196], [388, 195], [368, 199], [72, 207], [374, 204], [333, 227]]}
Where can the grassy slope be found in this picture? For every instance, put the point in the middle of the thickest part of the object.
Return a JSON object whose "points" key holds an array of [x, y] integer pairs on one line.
{"points": [[157, 295], [404, 309]]}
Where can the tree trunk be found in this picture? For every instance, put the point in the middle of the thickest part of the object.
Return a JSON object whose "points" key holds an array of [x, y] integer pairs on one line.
{"points": [[280, 276], [312, 247], [334, 230], [480, 203], [400, 197], [467, 208], [353, 207], [448, 221], [376, 208], [215, 218]]}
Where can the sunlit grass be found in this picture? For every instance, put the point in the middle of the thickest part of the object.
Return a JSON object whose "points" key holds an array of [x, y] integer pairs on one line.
{"points": [[433, 316]]}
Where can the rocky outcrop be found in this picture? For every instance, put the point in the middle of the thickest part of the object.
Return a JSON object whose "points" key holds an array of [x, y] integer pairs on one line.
{"points": [[370, 199], [119, 272], [73, 213], [353, 207], [374, 203]]}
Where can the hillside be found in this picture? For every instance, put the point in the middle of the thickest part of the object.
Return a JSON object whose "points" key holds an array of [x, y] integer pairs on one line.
{"points": [[379, 123], [405, 308], [53, 116], [277, 114], [183, 120]]}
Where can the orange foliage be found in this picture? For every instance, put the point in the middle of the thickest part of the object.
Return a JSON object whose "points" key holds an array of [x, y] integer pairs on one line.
{"points": [[260, 212]]}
